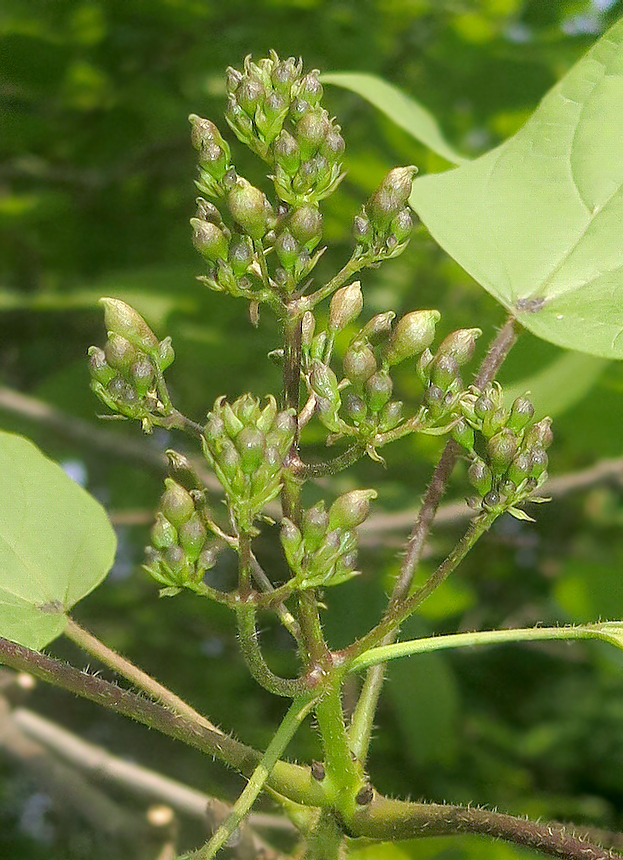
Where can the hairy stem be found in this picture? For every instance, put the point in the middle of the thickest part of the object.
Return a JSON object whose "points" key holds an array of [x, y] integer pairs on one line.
{"points": [[363, 716], [249, 645], [291, 780], [297, 712], [388, 819]]}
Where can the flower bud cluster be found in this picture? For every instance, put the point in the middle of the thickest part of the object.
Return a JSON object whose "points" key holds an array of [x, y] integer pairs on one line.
{"points": [[508, 449], [275, 110], [367, 408], [441, 373], [323, 551], [246, 445], [127, 374], [181, 549], [383, 227]]}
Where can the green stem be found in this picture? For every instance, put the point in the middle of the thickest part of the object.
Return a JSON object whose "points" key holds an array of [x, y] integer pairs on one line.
{"points": [[326, 839], [347, 271], [295, 715], [249, 645], [332, 467], [343, 776], [399, 611], [291, 780], [384, 653]]}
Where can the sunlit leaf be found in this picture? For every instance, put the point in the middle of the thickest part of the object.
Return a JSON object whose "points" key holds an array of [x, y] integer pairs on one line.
{"points": [[537, 221], [56, 544], [405, 111]]}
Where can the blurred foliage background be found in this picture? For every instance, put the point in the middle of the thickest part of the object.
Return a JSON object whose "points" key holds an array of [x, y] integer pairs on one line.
{"points": [[96, 189]]}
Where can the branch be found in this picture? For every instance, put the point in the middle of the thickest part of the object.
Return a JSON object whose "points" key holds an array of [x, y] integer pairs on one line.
{"points": [[291, 780], [387, 819]]}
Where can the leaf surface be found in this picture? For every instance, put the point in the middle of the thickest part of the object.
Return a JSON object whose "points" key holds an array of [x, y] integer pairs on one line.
{"points": [[537, 221], [56, 544]]}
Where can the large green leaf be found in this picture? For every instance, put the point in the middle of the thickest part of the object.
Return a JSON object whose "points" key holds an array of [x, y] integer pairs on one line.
{"points": [[537, 221], [56, 544], [400, 108]]}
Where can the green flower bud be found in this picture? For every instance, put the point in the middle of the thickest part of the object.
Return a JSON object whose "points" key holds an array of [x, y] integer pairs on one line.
{"points": [[356, 408], [207, 558], [233, 79], [539, 461], [292, 543], [163, 532], [315, 524], [175, 560], [463, 433], [99, 368], [287, 249], [214, 428], [208, 212], [308, 326], [305, 224], [284, 74], [120, 353], [494, 421], [249, 208], [209, 240], [460, 344], [519, 469], [333, 146], [275, 107], [124, 321], [502, 449], [142, 374], [412, 334], [238, 119], [287, 153], [323, 381], [228, 460], [521, 413], [350, 510], [377, 327], [310, 87], [402, 226], [346, 305], [480, 477], [299, 108], [434, 397], [192, 536], [445, 371], [214, 160], [165, 355], [378, 390], [539, 434], [391, 196], [176, 503], [484, 406], [359, 363], [491, 500], [240, 255], [390, 416], [251, 445], [203, 132], [311, 130], [283, 430], [424, 366], [250, 95], [362, 230]]}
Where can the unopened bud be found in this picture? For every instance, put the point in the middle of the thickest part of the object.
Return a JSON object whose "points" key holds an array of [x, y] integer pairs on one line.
{"points": [[460, 344], [249, 208], [120, 353], [521, 413], [480, 477], [350, 510], [250, 95], [378, 390], [287, 249], [163, 532], [359, 363], [209, 240], [502, 449], [311, 130], [305, 224], [192, 536], [176, 503], [99, 368], [142, 375], [346, 305], [123, 320], [315, 524], [240, 255], [413, 333], [323, 381], [287, 153], [251, 445], [391, 196]]}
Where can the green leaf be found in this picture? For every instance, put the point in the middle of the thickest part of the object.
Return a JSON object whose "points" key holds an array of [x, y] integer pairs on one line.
{"points": [[560, 385], [56, 544], [400, 108], [537, 221]]}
